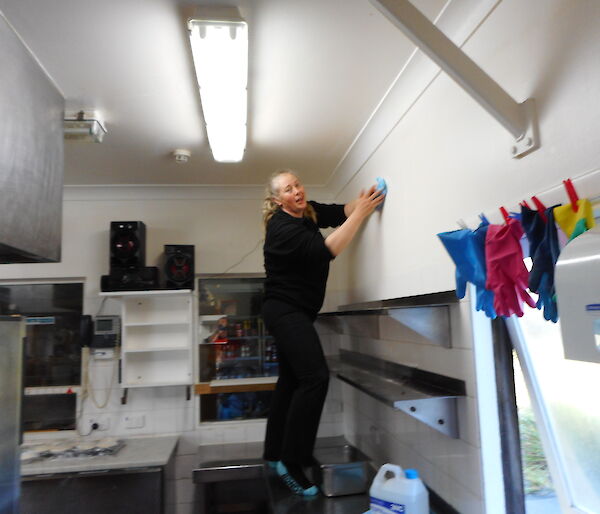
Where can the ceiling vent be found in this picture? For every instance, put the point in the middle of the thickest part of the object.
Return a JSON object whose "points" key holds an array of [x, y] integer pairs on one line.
{"points": [[84, 126]]}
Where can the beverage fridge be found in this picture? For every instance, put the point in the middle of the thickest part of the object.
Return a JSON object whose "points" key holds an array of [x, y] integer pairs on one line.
{"points": [[234, 348], [12, 332]]}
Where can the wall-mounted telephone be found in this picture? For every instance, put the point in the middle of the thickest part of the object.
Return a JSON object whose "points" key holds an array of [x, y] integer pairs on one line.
{"points": [[107, 332]]}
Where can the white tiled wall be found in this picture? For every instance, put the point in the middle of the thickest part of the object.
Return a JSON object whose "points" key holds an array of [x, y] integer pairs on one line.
{"points": [[165, 410], [450, 467]]}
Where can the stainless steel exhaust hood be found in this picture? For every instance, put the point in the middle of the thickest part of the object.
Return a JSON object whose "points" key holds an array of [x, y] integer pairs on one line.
{"points": [[31, 155]]}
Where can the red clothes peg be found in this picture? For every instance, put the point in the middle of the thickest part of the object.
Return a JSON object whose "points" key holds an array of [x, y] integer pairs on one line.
{"points": [[541, 208], [505, 215], [525, 204], [573, 198]]}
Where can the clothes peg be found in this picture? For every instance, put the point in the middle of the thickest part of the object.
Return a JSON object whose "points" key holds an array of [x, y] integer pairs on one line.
{"points": [[573, 198], [525, 204], [541, 208], [505, 214], [461, 223], [484, 219]]}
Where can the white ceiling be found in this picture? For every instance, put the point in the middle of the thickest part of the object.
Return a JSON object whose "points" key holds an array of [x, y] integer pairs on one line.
{"points": [[318, 69]]}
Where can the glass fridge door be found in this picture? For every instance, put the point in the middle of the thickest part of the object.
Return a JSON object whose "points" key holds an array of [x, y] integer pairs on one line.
{"points": [[233, 341]]}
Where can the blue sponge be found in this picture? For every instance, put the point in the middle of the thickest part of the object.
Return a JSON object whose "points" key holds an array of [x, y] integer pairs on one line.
{"points": [[381, 186]]}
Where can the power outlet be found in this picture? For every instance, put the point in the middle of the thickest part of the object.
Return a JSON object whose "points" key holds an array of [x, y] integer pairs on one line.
{"points": [[136, 421], [99, 423]]}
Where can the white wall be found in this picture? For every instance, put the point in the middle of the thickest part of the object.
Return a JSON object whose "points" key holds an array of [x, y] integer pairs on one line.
{"points": [[224, 224], [448, 159], [445, 158]]}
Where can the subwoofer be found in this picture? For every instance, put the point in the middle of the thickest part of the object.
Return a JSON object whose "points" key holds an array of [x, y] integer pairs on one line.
{"points": [[130, 279], [179, 266], [127, 245]]}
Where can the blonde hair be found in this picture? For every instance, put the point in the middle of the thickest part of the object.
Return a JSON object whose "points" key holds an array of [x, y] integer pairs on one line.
{"points": [[270, 207]]}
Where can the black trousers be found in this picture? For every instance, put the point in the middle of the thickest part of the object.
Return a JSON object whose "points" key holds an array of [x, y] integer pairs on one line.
{"points": [[298, 399]]}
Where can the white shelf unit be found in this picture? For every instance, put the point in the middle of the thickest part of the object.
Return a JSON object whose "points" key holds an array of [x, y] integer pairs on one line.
{"points": [[158, 331]]}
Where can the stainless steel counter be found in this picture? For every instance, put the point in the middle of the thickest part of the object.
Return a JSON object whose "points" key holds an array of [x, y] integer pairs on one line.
{"points": [[138, 452]]}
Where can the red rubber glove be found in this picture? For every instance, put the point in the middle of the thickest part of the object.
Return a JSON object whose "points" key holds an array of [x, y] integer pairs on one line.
{"points": [[507, 275]]}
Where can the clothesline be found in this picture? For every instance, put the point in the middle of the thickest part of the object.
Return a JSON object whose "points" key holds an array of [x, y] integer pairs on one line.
{"points": [[491, 256], [586, 183]]}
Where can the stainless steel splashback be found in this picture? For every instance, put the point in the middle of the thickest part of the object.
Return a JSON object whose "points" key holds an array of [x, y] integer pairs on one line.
{"points": [[31, 155]]}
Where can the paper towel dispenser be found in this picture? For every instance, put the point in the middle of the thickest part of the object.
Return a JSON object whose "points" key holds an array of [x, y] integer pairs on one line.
{"points": [[577, 279]]}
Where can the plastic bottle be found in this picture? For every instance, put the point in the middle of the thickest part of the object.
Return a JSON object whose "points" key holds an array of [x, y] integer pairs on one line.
{"points": [[403, 493]]}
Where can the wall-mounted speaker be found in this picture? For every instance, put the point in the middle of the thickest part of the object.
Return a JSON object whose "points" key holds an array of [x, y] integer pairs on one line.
{"points": [[127, 245], [130, 279], [179, 266]]}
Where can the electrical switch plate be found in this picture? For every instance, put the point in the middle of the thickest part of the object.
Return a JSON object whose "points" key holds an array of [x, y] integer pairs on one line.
{"points": [[135, 421]]}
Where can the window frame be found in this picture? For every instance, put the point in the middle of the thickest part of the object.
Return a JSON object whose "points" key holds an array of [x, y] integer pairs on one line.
{"points": [[554, 456], [53, 390]]}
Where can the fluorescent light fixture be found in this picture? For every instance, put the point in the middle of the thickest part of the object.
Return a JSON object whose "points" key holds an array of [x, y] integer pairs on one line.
{"points": [[84, 126], [220, 51]]}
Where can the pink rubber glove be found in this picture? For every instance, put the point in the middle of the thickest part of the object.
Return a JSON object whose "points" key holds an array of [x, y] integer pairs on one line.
{"points": [[507, 275]]}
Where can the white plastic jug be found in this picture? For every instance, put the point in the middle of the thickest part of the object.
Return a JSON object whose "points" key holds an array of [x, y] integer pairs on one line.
{"points": [[403, 493]]}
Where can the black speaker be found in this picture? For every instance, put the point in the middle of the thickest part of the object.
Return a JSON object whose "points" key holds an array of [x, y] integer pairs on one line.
{"points": [[127, 245], [130, 279], [179, 266]]}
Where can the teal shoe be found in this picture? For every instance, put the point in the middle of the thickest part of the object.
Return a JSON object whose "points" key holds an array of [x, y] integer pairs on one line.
{"points": [[294, 486]]}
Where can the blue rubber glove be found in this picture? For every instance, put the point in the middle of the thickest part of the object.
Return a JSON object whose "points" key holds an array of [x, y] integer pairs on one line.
{"points": [[467, 250], [485, 297], [458, 244], [533, 225], [547, 299], [541, 278]]}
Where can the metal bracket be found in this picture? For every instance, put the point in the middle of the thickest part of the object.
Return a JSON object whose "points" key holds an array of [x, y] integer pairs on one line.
{"points": [[437, 413], [432, 323], [530, 140], [518, 118]]}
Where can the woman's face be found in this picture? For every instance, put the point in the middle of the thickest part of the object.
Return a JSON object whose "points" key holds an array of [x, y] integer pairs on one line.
{"points": [[291, 197]]}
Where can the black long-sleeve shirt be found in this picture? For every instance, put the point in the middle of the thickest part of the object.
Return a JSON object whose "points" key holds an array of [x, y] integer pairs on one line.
{"points": [[297, 259]]}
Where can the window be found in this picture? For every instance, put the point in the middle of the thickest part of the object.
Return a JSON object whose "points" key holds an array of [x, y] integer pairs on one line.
{"points": [[537, 482], [52, 353], [564, 399], [234, 342]]}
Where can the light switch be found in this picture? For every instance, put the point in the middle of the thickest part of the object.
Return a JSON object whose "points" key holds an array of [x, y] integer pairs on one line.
{"points": [[135, 421]]}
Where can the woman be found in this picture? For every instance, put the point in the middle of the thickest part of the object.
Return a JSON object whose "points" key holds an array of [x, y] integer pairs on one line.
{"points": [[297, 265]]}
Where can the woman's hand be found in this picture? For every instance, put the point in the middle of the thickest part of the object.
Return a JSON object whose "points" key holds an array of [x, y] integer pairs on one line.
{"points": [[364, 199], [365, 204]]}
